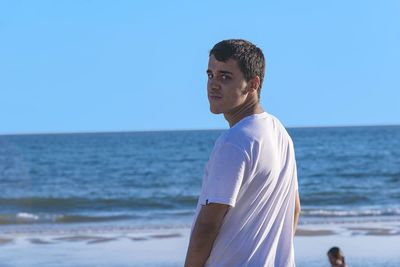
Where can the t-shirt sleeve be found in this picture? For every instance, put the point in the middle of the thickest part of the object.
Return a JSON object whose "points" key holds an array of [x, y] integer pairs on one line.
{"points": [[225, 172]]}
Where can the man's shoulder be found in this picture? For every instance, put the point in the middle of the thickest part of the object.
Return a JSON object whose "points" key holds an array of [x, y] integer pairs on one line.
{"points": [[240, 137], [236, 133], [280, 129], [255, 131]]}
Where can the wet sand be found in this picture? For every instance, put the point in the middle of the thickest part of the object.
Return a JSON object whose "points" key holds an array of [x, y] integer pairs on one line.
{"points": [[4, 241], [363, 245]]}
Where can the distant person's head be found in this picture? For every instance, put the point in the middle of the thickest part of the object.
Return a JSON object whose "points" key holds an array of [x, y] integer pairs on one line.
{"points": [[235, 74], [336, 257]]}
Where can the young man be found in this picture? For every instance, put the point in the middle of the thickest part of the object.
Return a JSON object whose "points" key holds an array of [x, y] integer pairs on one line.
{"points": [[249, 204]]}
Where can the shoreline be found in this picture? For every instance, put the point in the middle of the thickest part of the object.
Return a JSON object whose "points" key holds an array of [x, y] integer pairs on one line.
{"points": [[122, 244], [167, 247], [377, 227]]}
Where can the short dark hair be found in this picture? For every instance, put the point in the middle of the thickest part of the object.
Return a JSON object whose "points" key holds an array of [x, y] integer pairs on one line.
{"points": [[249, 57], [335, 251]]}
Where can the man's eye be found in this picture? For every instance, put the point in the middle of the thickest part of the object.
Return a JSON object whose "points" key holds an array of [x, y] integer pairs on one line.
{"points": [[224, 77], [210, 76]]}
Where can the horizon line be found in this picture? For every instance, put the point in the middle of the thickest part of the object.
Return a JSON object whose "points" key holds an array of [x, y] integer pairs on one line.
{"points": [[191, 129]]}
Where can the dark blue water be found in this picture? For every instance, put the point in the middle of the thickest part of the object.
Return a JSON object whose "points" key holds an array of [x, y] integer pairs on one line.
{"points": [[154, 178]]}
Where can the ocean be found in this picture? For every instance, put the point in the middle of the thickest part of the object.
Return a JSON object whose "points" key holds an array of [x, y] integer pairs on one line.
{"points": [[152, 179]]}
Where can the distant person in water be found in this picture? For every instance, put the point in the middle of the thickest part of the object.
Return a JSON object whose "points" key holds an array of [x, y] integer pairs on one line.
{"points": [[249, 202], [336, 258]]}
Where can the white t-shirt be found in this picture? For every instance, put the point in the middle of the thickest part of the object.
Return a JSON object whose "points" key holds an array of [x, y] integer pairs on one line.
{"points": [[252, 168]]}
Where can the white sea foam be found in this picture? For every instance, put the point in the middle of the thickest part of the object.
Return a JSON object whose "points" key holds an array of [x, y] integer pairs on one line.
{"points": [[27, 216], [351, 213]]}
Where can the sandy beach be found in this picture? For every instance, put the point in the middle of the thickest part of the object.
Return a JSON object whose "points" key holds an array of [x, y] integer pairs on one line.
{"points": [[371, 244]]}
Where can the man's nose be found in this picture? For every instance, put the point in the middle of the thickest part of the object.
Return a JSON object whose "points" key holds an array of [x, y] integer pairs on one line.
{"points": [[213, 85]]}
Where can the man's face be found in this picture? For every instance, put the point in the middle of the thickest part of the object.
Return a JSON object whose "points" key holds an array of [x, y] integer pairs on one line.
{"points": [[226, 86]]}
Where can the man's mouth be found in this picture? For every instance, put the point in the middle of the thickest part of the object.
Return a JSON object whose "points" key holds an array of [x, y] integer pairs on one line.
{"points": [[214, 97]]}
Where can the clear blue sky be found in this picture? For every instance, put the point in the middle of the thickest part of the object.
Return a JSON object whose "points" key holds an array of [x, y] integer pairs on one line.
{"points": [[77, 66]]}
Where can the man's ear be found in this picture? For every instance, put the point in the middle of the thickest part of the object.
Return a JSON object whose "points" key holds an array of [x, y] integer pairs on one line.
{"points": [[254, 84]]}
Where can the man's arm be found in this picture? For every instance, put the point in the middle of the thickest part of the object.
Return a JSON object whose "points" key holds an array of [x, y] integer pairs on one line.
{"points": [[297, 209], [204, 233]]}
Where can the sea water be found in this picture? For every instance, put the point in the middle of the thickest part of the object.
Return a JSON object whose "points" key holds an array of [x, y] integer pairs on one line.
{"points": [[153, 179]]}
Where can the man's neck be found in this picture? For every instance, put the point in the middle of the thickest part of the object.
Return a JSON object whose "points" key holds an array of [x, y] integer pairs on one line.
{"points": [[243, 111]]}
